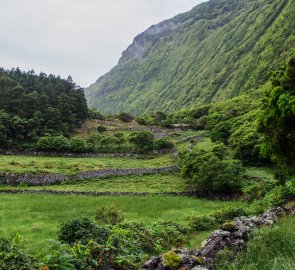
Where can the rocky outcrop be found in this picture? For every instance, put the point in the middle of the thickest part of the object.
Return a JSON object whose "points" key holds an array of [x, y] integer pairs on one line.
{"points": [[232, 235]]}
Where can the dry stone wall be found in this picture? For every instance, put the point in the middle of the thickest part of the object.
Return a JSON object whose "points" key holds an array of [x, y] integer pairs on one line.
{"points": [[232, 235], [49, 179]]}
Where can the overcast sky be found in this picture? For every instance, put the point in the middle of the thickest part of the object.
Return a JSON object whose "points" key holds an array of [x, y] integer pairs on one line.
{"points": [[83, 38]]}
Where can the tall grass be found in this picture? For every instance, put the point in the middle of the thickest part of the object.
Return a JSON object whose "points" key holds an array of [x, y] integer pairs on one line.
{"points": [[131, 183], [37, 217], [271, 248]]}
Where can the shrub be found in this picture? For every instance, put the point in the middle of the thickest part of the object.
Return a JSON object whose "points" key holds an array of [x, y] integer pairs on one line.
{"points": [[143, 140], [101, 128], [78, 145], [202, 223], [208, 172], [12, 257], [60, 143], [109, 215], [163, 143], [82, 229], [125, 117]]}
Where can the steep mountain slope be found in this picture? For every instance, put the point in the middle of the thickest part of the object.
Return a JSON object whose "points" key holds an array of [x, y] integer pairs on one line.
{"points": [[217, 50]]}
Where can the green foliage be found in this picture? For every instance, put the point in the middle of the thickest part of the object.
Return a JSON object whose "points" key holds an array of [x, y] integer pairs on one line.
{"points": [[275, 246], [168, 68], [277, 119], [143, 140], [109, 215], [171, 260], [202, 223], [94, 114], [212, 171], [101, 128], [12, 256], [163, 143], [228, 214], [53, 143], [78, 145], [82, 229], [125, 117], [32, 105]]}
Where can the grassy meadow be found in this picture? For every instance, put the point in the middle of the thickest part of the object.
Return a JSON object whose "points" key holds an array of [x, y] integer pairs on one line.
{"points": [[133, 183], [37, 217], [68, 166]]}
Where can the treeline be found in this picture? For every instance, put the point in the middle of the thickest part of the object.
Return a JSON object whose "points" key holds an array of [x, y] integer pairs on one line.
{"points": [[32, 105]]}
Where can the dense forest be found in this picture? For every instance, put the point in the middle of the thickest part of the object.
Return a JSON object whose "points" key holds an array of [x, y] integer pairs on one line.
{"points": [[32, 105]]}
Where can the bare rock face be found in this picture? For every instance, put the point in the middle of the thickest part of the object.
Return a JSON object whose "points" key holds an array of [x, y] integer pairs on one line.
{"points": [[232, 235]]}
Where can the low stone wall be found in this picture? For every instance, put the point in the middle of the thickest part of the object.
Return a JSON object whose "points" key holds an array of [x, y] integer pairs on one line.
{"points": [[232, 235], [49, 179], [95, 193]]}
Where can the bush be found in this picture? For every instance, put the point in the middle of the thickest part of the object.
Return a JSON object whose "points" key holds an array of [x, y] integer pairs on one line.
{"points": [[78, 145], [202, 223], [101, 128], [82, 229], [125, 117], [53, 143], [109, 215], [208, 172], [163, 143], [12, 257], [143, 140]]}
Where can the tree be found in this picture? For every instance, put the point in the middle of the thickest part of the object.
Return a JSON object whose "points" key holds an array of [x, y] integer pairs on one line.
{"points": [[277, 119], [212, 171]]}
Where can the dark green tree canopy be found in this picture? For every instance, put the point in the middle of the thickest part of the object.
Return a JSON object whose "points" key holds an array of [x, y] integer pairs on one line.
{"points": [[32, 105], [277, 120]]}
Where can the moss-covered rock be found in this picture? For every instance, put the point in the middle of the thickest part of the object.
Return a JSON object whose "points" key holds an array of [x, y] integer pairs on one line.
{"points": [[199, 260], [171, 260], [229, 226]]}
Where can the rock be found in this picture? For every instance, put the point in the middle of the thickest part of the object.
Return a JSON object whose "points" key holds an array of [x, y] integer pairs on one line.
{"points": [[199, 268], [229, 226], [171, 260]]}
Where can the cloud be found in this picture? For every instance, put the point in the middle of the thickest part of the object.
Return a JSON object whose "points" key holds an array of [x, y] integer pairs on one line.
{"points": [[81, 38]]}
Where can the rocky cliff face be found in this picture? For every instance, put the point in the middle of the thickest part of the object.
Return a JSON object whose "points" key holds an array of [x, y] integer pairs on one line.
{"points": [[217, 50]]}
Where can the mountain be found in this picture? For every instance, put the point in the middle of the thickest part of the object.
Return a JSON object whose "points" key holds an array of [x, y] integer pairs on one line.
{"points": [[216, 51]]}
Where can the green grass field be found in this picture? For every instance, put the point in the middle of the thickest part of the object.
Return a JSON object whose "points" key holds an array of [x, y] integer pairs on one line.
{"points": [[37, 217], [139, 183], [36, 164]]}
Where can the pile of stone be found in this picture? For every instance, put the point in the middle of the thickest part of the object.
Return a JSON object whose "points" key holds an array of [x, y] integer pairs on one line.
{"points": [[232, 235]]}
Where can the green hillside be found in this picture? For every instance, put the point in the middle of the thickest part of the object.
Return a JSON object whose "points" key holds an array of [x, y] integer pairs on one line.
{"points": [[216, 51]]}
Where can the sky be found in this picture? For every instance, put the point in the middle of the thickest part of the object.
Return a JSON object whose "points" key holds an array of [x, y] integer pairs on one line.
{"points": [[81, 38]]}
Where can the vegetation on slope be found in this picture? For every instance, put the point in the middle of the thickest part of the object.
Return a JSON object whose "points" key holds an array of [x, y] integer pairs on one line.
{"points": [[218, 50]]}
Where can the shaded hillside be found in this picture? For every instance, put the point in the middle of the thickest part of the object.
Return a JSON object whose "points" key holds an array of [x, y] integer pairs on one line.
{"points": [[217, 50]]}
